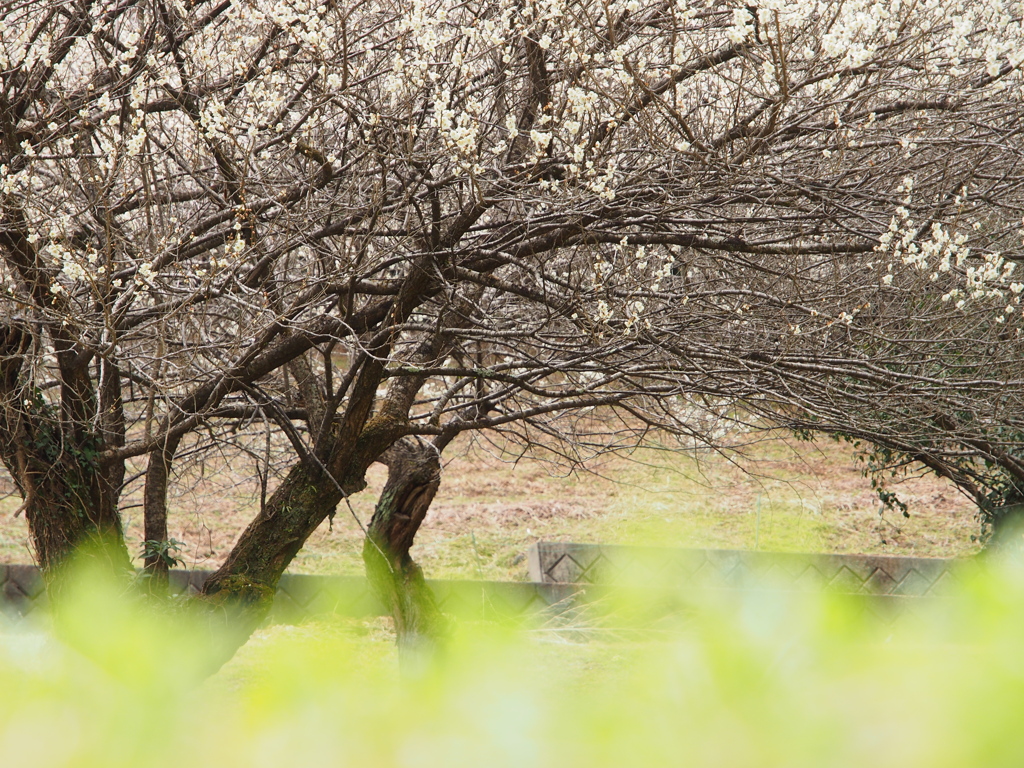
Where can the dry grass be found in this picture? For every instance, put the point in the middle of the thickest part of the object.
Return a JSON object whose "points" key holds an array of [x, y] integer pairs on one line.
{"points": [[777, 496]]}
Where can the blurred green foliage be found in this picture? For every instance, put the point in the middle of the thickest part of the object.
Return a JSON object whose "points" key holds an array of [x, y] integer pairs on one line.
{"points": [[738, 678]]}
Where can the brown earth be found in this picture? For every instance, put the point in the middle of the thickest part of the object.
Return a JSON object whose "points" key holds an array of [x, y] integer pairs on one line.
{"points": [[785, 496]]}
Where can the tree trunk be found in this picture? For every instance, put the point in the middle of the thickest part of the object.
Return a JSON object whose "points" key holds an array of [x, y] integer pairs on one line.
{"points": [[249, 576], [414, 474], [1005, 528], [70, 499], [309, 493], [156, 547]]}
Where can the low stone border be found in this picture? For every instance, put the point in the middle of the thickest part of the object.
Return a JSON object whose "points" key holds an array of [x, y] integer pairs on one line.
{"points": [[21, 589], [299, 596], [566, 563], [568, 580]]}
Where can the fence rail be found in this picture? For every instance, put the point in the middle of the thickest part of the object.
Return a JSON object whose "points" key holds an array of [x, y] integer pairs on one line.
{"points": [[298, 596], [565, 577], [567, 563]]}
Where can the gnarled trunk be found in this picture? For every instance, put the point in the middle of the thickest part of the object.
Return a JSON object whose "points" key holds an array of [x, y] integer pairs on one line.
{"points": [[303, 500], [414, 474], [70, 498], [250, 574]]}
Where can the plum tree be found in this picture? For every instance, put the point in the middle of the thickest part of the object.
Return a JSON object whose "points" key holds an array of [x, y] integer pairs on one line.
{"points": [[367, 227]]}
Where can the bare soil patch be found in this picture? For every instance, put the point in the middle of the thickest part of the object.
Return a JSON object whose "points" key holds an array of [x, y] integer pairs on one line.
{"points": [[781, 495]]}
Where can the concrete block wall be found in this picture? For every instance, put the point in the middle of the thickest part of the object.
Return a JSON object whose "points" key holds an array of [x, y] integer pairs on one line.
{"points": [[568, 563]]}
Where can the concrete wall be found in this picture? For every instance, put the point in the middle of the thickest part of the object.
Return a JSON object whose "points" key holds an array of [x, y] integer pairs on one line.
{"points": [[566, 563]]}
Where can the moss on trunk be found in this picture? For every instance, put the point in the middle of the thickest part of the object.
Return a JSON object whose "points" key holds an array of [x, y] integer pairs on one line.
{"points": [[70, 498]]}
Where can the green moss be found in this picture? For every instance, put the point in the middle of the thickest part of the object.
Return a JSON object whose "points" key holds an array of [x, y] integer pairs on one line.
{"points": [[239, 590]]}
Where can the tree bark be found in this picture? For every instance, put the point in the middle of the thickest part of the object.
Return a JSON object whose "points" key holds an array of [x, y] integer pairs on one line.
{"points": [[70, 498], [335, 468], [156, 546], [303, 500], [1004, 527], [414, 475]]}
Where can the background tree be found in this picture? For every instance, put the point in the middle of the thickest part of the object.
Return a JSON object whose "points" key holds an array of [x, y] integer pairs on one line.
{"points": [[368, 226]]}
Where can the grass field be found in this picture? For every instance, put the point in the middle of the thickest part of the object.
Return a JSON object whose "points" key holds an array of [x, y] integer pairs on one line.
{"points": [[772, 495]]}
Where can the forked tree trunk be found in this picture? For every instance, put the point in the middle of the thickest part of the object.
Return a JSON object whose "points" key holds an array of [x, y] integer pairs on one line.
{"points": [[414, 474], [70, 499]]}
